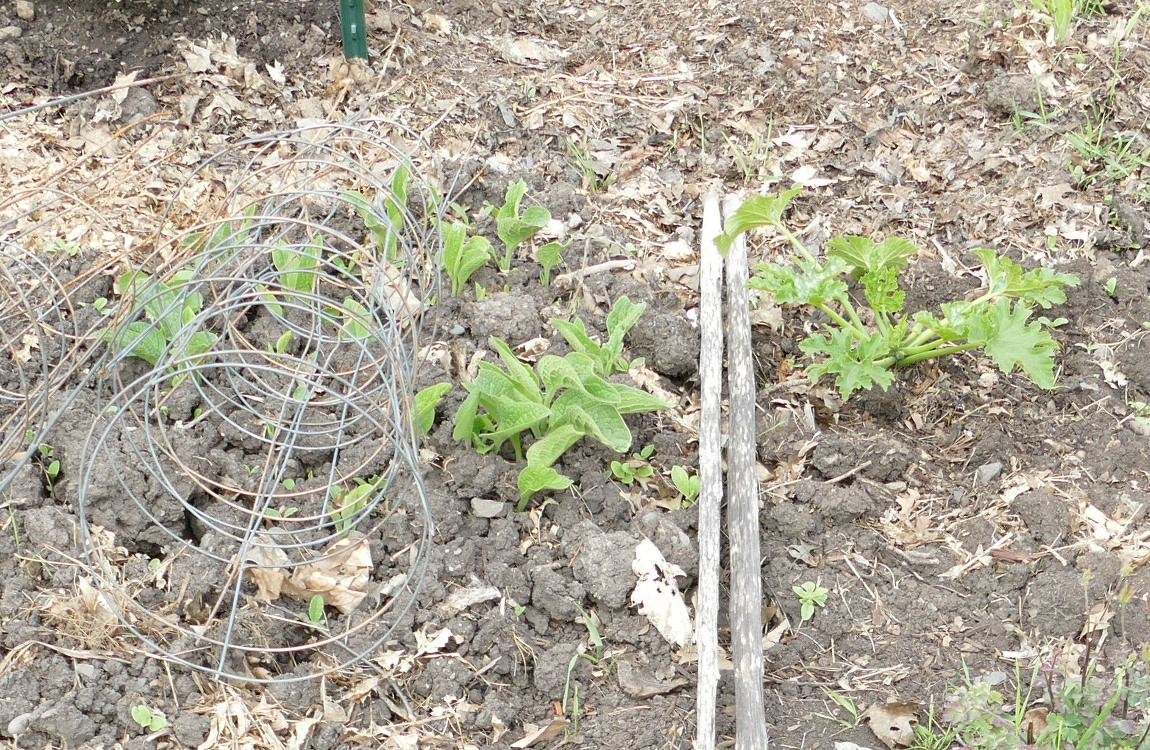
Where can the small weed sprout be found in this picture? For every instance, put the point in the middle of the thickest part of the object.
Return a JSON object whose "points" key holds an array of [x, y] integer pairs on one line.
{"points": [[512, 227], [811, 596], [548, 256], [844, 702], [686, 483], [149, 719], [571, 688], [349, 503], [635, 469], [316, 614]]}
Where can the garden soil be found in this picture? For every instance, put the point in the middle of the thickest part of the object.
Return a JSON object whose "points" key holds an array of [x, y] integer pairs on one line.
{"points": [[960, 520]]}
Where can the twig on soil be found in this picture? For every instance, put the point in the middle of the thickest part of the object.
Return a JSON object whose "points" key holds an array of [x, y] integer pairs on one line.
{"points": [[85, 94], [572, 277], [710, 472], [849, 474]]}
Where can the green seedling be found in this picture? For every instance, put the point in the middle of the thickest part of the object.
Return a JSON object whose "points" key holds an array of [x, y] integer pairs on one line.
{"points": [[296, 272], [315, 614], [588, 169], [514, 229], [860, 345], [385, 228], [100, 305], [570, 687], [687, 484], [356, 319], [350, 503], [635, 469], [548, 256], [170, 311], [855, 714], [281, 512], [426, 402], [608, 358], [560, 401], [49, 464], [811, 596], [149, 719], [1111, 286], [463, 255]]}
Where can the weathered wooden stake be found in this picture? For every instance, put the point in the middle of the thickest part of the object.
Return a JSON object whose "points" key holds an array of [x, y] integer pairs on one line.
{"points": [[743, 508], [710, 471]]}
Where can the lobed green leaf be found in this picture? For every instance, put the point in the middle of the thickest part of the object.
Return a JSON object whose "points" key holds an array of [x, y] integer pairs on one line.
{"points": [[760, 211]]}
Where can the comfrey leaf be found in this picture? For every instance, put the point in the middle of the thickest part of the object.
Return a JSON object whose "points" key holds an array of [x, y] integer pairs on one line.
{"points": [[760, 211], [853, 361]]}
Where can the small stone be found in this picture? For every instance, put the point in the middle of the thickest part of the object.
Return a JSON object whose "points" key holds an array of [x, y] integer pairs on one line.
{"points": [[875, 12], [20, 724], [10, 32], [987, 473], [481, 507], [25, 11]]}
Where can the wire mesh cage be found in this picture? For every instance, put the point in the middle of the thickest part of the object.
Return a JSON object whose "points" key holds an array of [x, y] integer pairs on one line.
{"points": [[254, 430]]}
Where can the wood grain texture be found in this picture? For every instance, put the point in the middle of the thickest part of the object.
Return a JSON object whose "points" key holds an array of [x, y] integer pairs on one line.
{"points": [[710, 471], [743, 508]]}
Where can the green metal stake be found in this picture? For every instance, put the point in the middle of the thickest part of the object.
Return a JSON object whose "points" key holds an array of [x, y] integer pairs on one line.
{"points": [[354, 26]]}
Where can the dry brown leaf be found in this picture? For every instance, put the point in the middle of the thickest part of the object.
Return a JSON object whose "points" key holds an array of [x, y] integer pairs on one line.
{"points": [[640, 684], [269, 576], [893, 723], [340, 576], [527, 51], [539, 735]]}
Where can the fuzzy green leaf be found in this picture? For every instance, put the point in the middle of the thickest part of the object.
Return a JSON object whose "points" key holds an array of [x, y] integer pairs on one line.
{"points": [[140, 339], [426, 401], [632, 400], [760, 211], [533, 479], [547, 449], [854, 362], [521, 374]]}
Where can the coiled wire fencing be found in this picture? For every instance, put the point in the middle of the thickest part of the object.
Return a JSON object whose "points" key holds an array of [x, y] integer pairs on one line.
{"points": [[254, 430]]}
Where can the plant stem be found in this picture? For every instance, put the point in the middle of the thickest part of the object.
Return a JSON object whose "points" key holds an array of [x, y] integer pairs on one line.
{"points": [[934, 351], [795, 241]]}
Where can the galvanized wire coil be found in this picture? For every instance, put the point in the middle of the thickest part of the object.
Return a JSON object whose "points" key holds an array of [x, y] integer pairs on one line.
{"points": [[255, 428]]}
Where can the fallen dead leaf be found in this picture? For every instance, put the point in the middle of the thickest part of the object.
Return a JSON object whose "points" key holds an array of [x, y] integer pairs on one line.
{"points": [[527, 51], [657, 594], [539, 735], [640, 684], [893, 723], [340, 576]]}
